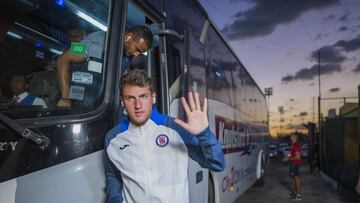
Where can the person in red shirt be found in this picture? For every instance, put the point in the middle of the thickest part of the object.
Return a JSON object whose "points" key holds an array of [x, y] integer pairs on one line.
{"points": [[294, 159]]}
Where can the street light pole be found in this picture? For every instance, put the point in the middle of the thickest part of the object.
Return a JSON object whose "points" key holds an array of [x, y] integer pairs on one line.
{"points": [[268, 93]]}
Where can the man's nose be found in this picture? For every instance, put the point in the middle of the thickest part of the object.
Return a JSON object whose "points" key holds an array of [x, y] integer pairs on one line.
{"points": [[137, 103]]}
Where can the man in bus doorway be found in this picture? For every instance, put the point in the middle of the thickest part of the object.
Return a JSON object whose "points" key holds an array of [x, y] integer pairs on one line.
{"points": [[137, 40], [294, 159], [146, 155]]}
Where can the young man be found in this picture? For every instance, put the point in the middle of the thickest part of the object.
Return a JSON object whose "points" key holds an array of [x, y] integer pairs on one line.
{"points": [[136, 41], [19, 87], [146, 156], [294, 167]]}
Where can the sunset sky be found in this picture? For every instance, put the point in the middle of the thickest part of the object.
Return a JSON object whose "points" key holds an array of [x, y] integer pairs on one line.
{"points": [[278, 41]]}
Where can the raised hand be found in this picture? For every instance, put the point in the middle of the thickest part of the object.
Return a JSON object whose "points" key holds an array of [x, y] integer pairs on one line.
{"points": [[197, 119]]}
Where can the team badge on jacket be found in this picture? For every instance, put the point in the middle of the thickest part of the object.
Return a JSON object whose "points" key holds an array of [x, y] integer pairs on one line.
{"points": [[162, 140]]}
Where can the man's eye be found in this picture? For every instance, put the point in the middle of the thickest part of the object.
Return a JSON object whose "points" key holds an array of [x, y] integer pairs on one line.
{"points": [[129, 99], [144, 96]]}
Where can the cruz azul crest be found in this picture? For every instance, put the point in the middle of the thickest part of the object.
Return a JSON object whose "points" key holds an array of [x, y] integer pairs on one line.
{"points": [[162, 140]]}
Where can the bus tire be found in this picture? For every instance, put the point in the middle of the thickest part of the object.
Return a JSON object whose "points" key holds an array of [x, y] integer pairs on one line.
{"points": [[261, 181], [211, 191]]}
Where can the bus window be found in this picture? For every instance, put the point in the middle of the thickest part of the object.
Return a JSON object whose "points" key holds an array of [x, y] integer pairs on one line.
{"points": [[197, 69], [173, 64], [174, 71], [35, 36], [220, 75]]}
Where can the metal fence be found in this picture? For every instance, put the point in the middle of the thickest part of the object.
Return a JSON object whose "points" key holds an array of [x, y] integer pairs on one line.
{"points": [[339, 149], [313, 139]]}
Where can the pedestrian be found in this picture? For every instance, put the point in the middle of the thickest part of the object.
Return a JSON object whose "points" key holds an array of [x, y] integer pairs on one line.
{"points": [[294, 160], [146, 155]]}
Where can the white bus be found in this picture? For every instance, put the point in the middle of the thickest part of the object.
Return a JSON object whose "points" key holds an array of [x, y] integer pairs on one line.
{"points": [[55, 154]]}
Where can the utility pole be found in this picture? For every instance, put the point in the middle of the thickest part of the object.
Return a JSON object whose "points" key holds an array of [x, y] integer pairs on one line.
{"points": [[319, 117], [319, 97], [359, 127], [313, 109]]}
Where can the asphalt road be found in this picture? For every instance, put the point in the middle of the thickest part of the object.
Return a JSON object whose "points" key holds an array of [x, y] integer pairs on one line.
{"points": [[277, 187]]}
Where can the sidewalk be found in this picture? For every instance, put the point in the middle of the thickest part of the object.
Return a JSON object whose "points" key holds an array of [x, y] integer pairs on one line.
{"points": [[277, 187]]}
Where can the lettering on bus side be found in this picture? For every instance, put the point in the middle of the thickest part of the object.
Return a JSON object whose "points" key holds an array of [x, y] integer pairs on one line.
{"points": [[233, 136], [8, 146], [230, 181]]}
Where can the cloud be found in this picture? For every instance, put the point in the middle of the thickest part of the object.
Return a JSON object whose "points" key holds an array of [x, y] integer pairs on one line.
{"points": [[287, 78], [291, 99], [328, 54], [342, 29], [302, 114], [335, 89], [310, 73], [311, 84], [328, 18], [343, 18], [350, 45], [265, 16], [320, 36], [357, 69]]}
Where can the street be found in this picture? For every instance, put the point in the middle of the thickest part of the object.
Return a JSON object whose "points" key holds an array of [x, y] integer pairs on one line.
{"points": [[277, 187]]}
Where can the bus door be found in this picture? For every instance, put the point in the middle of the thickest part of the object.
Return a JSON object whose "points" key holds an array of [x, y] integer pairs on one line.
{"points": [[182, 69], [195, 80], [182, 63]]}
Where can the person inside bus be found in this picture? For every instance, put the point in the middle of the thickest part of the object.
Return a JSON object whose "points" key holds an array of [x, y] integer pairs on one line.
{"points": [[43, 82], [19, 87], [146, 155], [76, 31], [137, 40]]}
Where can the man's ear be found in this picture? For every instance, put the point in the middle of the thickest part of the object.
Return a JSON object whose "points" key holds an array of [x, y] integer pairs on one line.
{"points": [[128, 36], [121, 101]]}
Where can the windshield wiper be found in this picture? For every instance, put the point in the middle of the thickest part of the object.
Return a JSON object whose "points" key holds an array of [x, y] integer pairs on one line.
{"points": [[41, 140]]}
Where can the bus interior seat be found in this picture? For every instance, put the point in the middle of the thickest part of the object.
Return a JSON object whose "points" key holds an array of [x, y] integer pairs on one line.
{"points": [[43, 84]]}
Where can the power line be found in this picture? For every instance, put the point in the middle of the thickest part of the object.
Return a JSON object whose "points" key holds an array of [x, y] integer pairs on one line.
{"points": [[286, 47], [307, 32]]}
